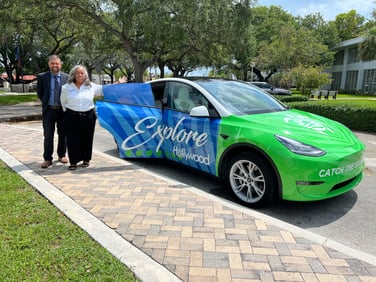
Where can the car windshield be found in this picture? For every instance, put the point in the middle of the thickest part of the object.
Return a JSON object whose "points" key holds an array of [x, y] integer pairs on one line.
{"points": [[240, 98]]}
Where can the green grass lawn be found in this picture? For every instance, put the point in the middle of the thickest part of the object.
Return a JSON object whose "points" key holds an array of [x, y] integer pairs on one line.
{"points": [[39, 243], [16, 99], [355, 96], [359, 103], [353, 100]]}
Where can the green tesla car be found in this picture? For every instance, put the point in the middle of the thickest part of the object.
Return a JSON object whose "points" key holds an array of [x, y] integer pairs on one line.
{"points": [[261, 149]]}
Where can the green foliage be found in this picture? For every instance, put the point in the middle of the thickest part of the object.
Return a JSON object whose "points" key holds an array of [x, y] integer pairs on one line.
{"points": [[357, 115], [293, 98], [241, 42], [38, 243], [349, 25], [132, 36], [306, 79], [324, 32], [290, 48], [268, 22], [367, 49], [43, 28]]}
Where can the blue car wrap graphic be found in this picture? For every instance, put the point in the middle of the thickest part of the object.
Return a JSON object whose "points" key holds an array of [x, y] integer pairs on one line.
{"points": [[129, 93], [143, 131], [122, 121], [193, 141]]}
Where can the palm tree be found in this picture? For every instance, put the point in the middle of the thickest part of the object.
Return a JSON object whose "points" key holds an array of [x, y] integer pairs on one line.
{"points": [[367, 49]]}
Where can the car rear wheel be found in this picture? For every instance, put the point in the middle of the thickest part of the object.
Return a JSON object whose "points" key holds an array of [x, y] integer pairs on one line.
{"points": [[117, 145], [251, 179]]}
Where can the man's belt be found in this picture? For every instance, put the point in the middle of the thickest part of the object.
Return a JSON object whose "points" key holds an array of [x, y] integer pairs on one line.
{"points": [[54, 107]]}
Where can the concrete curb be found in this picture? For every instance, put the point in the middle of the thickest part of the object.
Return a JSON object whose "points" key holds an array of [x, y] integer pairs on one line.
{"points": [[144, 267]]}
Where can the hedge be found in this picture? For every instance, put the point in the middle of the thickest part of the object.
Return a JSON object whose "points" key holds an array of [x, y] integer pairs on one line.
{"points": [[293, 98], [358, 115]]}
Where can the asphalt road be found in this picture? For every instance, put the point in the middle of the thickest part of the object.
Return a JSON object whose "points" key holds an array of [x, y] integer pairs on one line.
{"points": [[349, 219]]}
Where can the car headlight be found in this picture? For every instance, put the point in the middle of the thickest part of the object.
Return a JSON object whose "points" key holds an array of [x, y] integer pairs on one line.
{"points": [[299, 147]]}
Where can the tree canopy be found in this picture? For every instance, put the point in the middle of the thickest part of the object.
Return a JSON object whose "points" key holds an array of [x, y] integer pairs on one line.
{"points": [[128, 37]]}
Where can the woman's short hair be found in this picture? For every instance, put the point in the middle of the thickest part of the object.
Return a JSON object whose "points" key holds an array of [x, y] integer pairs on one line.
{"points": [[72, 79]]}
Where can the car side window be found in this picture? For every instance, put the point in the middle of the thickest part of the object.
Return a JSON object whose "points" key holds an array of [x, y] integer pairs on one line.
{"points": [[183, 97], [179, 97], [183, 101], [170, 94], [158, 90]]}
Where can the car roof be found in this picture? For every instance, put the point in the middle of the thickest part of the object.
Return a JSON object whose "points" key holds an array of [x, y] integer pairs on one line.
{"points": [[259, 82]]}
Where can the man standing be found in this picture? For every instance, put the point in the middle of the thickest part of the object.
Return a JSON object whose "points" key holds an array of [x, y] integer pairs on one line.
{"points": [[48, 89]]}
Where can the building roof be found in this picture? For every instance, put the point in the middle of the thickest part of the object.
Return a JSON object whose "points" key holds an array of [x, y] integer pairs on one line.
{"points": [[348, 43]]}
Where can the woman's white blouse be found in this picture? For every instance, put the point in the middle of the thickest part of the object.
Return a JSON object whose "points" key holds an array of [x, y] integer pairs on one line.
{"points": [[79, 100]]}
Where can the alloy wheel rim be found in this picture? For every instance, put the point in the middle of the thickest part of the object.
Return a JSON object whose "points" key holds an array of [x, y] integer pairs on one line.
{"points": [[247, 181]]}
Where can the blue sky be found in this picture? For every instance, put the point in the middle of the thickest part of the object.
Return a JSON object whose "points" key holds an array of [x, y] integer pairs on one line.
{"points": [[328, 8]]}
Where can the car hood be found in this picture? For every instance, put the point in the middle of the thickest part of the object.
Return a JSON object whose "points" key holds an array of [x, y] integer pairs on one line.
{"points": [[304, 127]]}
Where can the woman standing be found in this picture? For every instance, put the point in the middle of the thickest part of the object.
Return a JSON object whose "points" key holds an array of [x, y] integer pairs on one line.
{"points": [[77, 101]]}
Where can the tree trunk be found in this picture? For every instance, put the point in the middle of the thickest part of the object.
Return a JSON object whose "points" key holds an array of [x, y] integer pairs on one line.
{"points": [[139, 71], [257, 72], [245, 74], [161, 70]]}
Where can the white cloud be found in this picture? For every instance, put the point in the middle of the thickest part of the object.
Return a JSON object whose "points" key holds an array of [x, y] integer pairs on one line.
{"points": [[314, 8], [328, 9], [363, 7]]}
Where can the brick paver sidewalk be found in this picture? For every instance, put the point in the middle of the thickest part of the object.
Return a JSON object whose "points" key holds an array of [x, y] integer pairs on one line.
{"points": [[196, 237]]}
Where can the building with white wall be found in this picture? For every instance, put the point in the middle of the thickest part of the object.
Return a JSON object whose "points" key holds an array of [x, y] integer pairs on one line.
{"points": [[349, 73], [101, 79]]}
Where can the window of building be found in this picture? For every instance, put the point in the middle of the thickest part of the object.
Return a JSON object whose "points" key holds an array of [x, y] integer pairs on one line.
{"points": [[336, 80], [369, 81], [338, 58], [351, 80], [353, 55]]}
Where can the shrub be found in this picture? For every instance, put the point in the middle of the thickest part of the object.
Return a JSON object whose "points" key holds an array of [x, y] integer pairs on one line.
{"points": [[294, 98], [357, 115], [307, 78]]}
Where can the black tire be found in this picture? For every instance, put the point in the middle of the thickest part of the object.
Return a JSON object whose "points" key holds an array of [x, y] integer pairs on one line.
{"points": [[251, 179], [117, 146]]}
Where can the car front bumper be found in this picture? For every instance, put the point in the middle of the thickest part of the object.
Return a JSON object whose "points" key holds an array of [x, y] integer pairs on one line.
{"points": [[311, 180]]}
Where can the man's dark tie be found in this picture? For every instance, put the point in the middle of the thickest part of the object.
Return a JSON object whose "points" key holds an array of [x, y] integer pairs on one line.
{"points": [[57, 91]]}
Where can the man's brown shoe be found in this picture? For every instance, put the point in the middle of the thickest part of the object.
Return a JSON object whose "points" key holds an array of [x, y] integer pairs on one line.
{"points": [[46, 164], [63, 160]]}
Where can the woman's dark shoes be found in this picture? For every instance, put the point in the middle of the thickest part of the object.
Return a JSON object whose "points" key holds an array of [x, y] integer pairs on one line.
{"points": [[72, 167], [46, 164], [85, 164]]}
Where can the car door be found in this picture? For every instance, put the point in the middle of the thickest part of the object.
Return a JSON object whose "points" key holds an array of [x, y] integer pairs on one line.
{"points": [[130, 113], [189, 140]]}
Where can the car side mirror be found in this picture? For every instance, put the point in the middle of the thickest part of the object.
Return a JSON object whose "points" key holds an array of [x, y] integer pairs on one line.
{"points": [[199, 111]]}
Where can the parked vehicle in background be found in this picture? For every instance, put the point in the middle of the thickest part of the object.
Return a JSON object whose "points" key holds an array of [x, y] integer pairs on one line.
{"points": [[270, 89]]}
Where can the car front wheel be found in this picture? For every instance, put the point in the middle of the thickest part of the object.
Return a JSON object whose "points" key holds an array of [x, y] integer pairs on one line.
{"points": [[251, 179]]}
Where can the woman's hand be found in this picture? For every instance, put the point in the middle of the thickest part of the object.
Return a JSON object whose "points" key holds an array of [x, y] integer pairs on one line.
{"points": [[123, 79]]}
